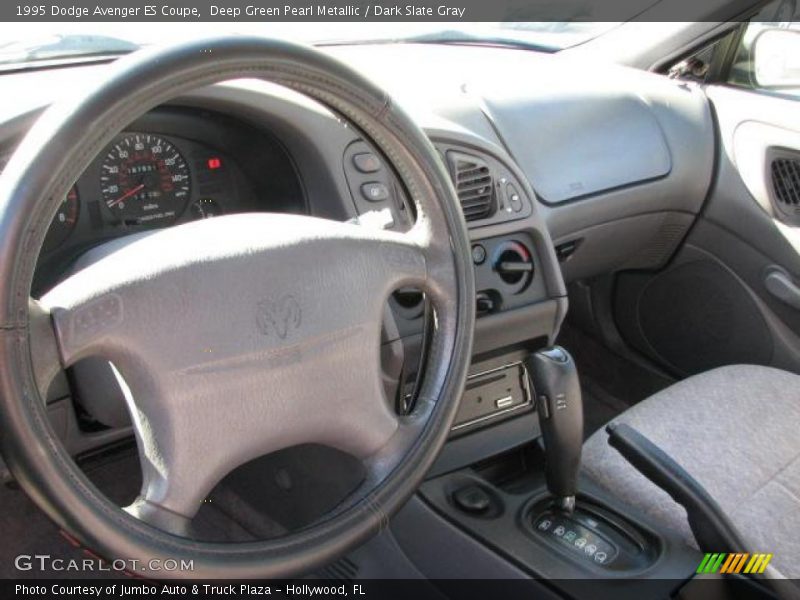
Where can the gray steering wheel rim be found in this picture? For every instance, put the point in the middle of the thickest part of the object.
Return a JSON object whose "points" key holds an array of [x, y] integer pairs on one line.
{"points": [[39, 175]]}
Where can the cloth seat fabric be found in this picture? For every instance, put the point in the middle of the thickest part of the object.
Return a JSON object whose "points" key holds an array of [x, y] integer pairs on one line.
{"points": [[736, 429]]}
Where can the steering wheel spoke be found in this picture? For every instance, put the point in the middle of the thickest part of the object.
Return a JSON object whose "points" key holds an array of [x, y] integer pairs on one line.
{"points": [[44, 346], [198, 432]]}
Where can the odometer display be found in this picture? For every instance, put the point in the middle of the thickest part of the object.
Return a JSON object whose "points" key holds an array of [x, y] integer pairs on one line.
{"points": [[144, 178]]}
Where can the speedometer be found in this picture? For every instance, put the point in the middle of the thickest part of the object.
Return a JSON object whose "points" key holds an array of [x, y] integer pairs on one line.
{"points": [[144, 178]]}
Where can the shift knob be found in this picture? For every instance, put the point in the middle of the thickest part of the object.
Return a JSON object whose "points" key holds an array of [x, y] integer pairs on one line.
{"points": [[560, 408]]}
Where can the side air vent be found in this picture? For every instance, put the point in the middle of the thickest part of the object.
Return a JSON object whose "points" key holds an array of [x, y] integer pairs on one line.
{"points": [[785, 171], [474, 184], [786, 181]]}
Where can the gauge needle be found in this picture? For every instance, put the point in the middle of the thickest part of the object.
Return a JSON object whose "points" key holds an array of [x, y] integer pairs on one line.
{"points": [[127, 194]]}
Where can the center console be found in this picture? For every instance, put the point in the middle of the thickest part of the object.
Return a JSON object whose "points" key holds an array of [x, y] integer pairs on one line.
{"points": [[506, 485], [520, 298], [530, 506], [505, 505], [522, 502], [531, 515]]}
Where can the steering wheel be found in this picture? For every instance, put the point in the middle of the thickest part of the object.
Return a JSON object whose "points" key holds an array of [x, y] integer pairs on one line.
{"points": [[237, 336]]}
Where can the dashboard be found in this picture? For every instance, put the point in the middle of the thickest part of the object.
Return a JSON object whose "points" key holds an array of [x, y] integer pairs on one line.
{"points": [[560, 179]]}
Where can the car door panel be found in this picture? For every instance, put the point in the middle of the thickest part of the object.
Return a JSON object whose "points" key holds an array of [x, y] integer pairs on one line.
{"points": [[727, 296]]}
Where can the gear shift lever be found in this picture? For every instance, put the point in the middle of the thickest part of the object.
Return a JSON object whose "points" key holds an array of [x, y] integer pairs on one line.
{"points": [[558, 398]]}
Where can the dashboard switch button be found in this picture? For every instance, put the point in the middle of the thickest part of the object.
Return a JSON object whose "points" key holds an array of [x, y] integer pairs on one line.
{"points": [[366, 162], [514, 199], [375, 192]]}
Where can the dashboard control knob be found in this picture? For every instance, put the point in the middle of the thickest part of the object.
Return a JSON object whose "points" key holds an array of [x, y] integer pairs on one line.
{"points": [[484, 304], [478, 254], [513, 263]]}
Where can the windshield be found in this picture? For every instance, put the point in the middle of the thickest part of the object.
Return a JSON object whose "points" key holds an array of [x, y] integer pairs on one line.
{"points": [[27, 42]]}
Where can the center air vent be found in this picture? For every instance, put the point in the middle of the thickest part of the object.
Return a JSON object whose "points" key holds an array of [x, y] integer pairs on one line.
{"points": [[474, 185], [786, 186]]}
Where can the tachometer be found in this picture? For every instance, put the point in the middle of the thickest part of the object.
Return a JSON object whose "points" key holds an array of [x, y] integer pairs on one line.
{"points": [[144, 178]]}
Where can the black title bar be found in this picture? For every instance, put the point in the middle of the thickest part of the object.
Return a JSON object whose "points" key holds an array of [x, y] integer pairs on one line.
{"points": [[369, 10]]}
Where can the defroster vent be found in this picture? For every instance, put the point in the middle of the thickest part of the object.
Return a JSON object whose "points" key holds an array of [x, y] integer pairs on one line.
{"points": [[474, 184]]}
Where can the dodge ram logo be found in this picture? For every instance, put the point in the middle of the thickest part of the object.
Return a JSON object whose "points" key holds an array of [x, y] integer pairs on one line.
{"points": [[279, 316]]}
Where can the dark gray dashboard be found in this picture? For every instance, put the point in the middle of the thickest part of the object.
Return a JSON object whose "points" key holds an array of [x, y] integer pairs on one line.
{"points": [[562, 168], [610, 152], [620, 160]]}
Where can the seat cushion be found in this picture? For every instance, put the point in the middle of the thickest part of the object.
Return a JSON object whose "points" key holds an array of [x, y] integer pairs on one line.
{"points": [[737, 431]]}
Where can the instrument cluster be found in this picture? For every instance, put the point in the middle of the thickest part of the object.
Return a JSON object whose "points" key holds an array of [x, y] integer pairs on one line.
{"points": [[170, 167], [143, 180]]}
